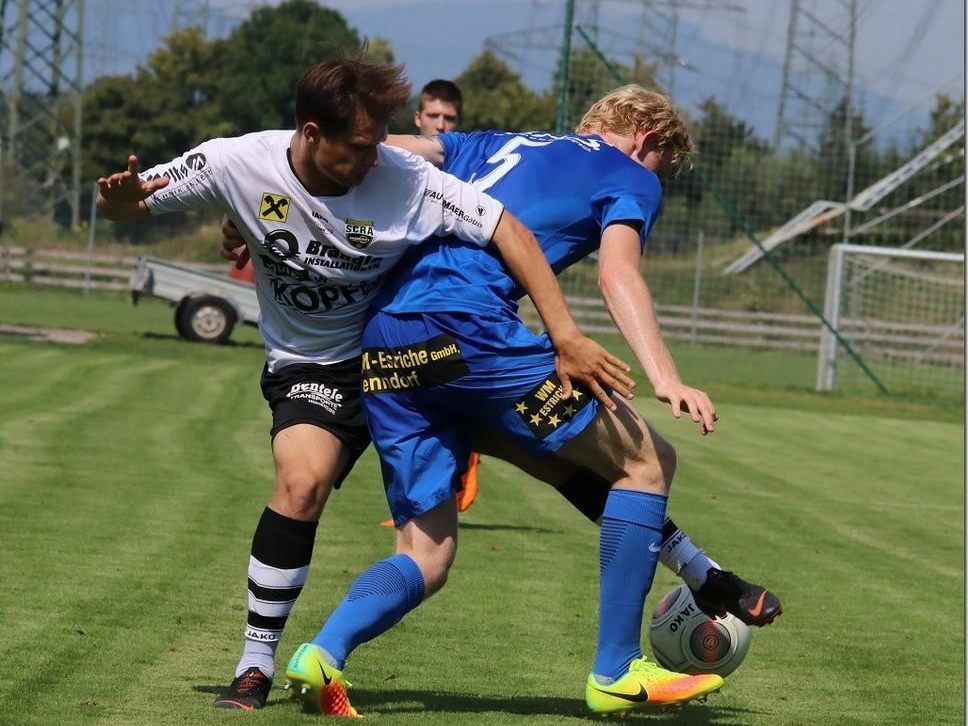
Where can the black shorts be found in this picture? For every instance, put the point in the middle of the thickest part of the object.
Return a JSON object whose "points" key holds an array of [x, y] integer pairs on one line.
{"points": [[327, 396]]}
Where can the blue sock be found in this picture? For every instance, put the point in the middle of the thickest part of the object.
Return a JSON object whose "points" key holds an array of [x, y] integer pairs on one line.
{"points": [[629, 545], [375, 602]]}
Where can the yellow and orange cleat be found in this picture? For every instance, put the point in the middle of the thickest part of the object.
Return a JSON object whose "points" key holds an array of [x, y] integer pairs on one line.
{"points": [[317, 685], [647, 685]]}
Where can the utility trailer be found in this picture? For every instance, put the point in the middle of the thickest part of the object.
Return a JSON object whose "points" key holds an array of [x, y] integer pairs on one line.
{"points": [[207, 305]]}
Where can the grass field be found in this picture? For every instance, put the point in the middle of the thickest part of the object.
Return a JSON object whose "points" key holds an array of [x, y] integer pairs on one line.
{"points": [[134, 468]]}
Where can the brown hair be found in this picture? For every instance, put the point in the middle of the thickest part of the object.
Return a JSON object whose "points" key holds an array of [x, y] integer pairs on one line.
{"points": [[633, 108], [442, 90], [331, 94]]}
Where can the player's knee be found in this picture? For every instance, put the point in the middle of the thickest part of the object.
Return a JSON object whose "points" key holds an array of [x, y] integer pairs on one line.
{"points": [[302, 492], [652, 468], [435, 566]]}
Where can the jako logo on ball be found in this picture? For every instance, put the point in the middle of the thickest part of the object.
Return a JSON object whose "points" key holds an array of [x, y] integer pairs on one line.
{"points": [[686, 640]]}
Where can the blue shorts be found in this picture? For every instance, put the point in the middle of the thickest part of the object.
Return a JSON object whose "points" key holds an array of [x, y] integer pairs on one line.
{"points": [[431, 379]]}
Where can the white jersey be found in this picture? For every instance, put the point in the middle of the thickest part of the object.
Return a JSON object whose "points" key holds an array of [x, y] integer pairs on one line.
{"points": [[320, 260]]}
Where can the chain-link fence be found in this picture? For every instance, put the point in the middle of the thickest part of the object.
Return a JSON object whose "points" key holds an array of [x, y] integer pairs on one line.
{"points": [[739, 257], [866, 181]]}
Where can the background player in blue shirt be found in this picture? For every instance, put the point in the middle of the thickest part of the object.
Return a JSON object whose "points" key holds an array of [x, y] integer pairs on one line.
{"points": [[446, 345]]}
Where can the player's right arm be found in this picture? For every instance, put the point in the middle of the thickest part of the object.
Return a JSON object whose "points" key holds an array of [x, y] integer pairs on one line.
{"points": [[122, 195], [190, 182], [429, 148], [577, 356]]}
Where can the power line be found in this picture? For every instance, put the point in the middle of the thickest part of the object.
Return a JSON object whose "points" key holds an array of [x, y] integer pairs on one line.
{"points": [[41, 51], [819, 52]]}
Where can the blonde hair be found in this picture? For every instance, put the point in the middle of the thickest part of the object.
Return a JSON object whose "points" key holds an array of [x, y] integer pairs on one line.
{"points": [[633, 108]]}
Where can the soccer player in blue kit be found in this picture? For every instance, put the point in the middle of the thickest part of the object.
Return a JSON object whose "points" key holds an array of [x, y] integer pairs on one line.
{"points": [[448, 365]]}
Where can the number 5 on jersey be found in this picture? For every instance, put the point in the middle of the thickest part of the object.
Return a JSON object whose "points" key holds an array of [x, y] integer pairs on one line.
{"points": [[507, 158]]}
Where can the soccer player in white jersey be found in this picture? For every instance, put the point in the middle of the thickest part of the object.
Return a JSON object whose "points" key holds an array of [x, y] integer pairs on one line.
{"points": [[325, 211]]}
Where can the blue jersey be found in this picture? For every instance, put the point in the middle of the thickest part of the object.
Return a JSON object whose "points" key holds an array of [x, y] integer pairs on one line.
{"points": [[566, 189]]}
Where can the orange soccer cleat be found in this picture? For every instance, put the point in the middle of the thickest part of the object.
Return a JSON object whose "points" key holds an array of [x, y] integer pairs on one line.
{"points": [[468, 483], [317, 685], [468, 487]]}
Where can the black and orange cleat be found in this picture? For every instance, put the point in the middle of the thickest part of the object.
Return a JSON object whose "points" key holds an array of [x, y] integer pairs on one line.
{"points": [[248, 691], [724, 592]]}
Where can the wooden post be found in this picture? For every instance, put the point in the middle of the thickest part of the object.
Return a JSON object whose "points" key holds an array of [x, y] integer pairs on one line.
{"points": [[695, 291]]}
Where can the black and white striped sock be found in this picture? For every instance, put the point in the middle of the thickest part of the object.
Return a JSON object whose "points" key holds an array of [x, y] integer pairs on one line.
{"points": [[680, 555], [281, 551]]}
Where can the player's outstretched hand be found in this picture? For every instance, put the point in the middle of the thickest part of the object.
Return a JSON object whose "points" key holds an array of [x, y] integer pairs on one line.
{"points": [[233, 246], [696, 403], [126, 187], [585, 361]]}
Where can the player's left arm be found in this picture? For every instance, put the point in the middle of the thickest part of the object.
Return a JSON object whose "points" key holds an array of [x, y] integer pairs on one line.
{"points": [[629, 302], [429, 148], [577, 356]]}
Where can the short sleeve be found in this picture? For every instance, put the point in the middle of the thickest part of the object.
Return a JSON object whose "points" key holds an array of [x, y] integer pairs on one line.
{"points": [[192, 181], [634, 198], [452, 142], [451, 206]]}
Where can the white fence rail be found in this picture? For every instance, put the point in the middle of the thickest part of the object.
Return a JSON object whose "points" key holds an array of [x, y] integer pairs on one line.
{"points": [[780, 331], [62, 268], [777, 331]]}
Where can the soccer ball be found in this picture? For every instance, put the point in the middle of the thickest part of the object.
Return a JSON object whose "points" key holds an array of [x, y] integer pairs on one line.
{"points": [[686, 640]]}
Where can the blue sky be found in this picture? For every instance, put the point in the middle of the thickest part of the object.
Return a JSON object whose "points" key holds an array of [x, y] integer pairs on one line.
{"points": [[905, 50]]}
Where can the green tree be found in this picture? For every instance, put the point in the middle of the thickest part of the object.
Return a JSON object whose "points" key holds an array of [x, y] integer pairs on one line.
{"points": [[949, 166], [717, 132], [164, 109], [833, 154], [589, 79], [110, 124], [495, 97], [176, 99], [380, 50], [946, 113], [264, 57], [719, 137]]}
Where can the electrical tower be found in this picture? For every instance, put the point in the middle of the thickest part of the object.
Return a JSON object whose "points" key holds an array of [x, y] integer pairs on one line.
{"points": [[40, 131], [188, 13], [655, 42], [818, 69]]}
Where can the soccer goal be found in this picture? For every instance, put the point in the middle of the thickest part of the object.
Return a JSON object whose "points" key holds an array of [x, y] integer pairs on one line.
{"points": [[902, 311]]}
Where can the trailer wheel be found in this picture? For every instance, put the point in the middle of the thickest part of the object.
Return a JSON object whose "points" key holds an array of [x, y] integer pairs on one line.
{"points": [[205, 319], [179, 318]]}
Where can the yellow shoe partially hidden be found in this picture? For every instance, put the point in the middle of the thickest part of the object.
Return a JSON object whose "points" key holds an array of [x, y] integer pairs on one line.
{"points": [[646, 685], [316, 684]]}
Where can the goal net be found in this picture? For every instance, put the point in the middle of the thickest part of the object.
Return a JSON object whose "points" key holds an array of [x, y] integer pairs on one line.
{"points": [[902, 311]]}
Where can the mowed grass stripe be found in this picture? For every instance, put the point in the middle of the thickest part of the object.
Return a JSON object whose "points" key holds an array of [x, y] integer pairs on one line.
{"points": [[137, 539], [834, 468], [158, 570], [828, 545], [889, 475], [39, 396], [523, 587]]}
